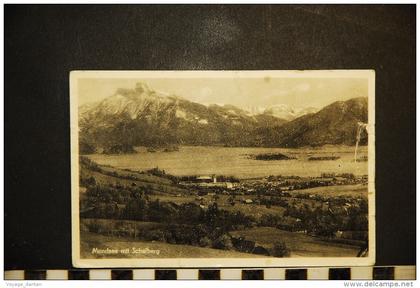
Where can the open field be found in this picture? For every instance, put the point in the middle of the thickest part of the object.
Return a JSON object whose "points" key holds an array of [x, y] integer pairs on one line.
{"points": [[157, 184], [358, 190], [300, 245], [248, 209], [255, 210], [93, 240], [118, 224], [141, 176]]}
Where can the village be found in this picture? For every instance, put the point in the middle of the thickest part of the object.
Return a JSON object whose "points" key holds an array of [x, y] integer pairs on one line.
{"points": [[251, 191], [292, 203]]}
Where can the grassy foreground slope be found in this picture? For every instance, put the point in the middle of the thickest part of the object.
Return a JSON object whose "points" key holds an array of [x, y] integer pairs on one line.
{"points": [[155, 183], [92, 240], [300, 245], [356, 190]]}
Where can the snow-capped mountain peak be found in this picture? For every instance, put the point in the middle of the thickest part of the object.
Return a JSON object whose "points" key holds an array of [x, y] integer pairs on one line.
{"points": [[287, 112], [131, 101]]}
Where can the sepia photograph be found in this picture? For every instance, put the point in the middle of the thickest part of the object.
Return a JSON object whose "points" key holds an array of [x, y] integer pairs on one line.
{"points": [[223, 168]]}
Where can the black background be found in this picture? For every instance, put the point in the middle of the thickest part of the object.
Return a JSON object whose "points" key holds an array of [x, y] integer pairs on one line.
{"points": [[44, 42]]}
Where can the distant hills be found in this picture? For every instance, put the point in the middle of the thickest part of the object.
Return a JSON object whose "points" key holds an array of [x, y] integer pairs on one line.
{"points": [[144, 117], [334, 124]]}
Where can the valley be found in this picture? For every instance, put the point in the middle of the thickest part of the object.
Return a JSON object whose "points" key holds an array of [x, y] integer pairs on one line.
{"points": [[272, 216]]}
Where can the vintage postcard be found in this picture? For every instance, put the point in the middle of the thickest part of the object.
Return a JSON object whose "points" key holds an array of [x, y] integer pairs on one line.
{"points": [[223, 168]]}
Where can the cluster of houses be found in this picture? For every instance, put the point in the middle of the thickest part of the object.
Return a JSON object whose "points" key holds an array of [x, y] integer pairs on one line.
{"points": [[208, 181], [279, 184], [276, 186]]}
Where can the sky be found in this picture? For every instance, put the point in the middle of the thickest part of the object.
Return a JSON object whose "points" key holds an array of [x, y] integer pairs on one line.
{"points": [[243, 93]]}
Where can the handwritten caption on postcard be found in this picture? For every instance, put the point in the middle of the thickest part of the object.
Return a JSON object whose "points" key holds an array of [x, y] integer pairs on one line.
{"points": [[125, 251]]}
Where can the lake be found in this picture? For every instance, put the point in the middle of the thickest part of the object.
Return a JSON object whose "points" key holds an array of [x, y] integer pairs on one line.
{"points": [[235, 161]]}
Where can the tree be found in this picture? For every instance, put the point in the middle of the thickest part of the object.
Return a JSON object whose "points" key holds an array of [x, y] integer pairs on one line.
{"points": [[231, 200], [357, 221], [223, 242], [88, 181], [280, 249], [205, 242], [190, 213], [136, 210], [86, 148], [212, 214]]}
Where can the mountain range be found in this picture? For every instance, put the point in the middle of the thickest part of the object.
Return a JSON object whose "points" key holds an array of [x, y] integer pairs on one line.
{"points": [[145, 117]]}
